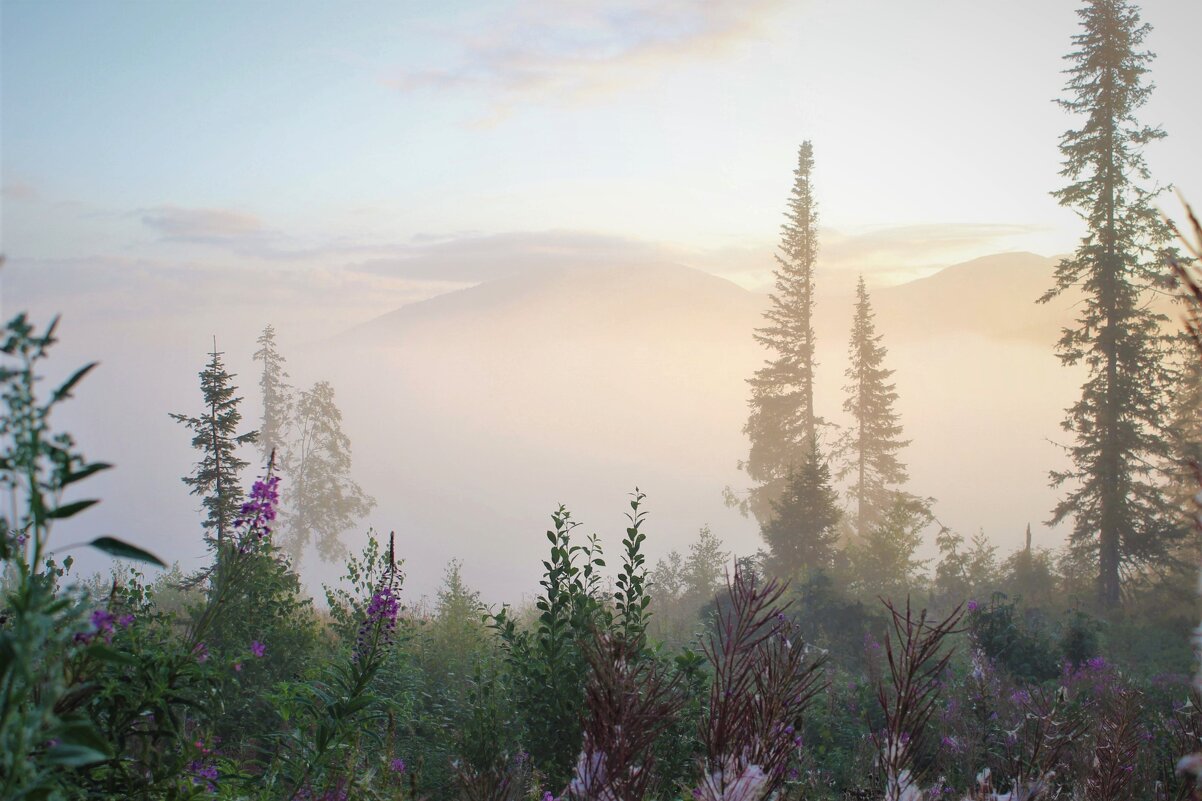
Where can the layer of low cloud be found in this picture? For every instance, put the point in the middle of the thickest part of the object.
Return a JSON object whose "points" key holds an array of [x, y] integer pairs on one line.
{"points": [[209, 261], [476, 257]]}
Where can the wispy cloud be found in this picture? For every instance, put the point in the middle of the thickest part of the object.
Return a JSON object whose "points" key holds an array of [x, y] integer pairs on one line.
{"points": [[19, 190], [204, 226], [586, 46], [903, 244], [885, 255]]}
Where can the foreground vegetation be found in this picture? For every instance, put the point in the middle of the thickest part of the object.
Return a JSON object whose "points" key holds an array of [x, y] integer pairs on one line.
{"points": [[230, 684], [834, 665]]}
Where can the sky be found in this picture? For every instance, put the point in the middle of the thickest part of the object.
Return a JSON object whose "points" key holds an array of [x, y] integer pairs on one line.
{"points": [[357, 138], [174, 170]]}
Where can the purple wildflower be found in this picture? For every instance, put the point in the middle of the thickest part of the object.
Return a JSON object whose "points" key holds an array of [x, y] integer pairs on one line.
{"points": [[125, 621], [951, 744], [201, 652], [103, 620], [381, 616], [258, 649], [204, 773], [397, 765], [973, 606], [102, 626], [260, 510]]}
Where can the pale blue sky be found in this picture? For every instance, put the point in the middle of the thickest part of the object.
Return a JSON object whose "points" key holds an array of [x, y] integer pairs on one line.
{"points": [[328, 135]]}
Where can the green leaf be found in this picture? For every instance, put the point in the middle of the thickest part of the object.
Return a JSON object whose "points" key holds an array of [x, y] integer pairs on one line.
{"points": [[107, 653], [70, 510], [78, 744], [65, 390], [123, 550], [74, 756], [84, 472]]}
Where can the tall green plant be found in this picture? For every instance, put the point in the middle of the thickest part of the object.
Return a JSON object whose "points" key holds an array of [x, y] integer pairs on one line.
{"points": [[43, 735], [547, 663]]}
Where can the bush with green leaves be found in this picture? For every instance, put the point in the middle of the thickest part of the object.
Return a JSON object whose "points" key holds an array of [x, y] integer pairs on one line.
{"points": [[547, 663], [48, 644]]}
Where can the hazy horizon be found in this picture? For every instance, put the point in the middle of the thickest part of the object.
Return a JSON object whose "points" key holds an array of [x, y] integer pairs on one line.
{"points": [[175, 172]]}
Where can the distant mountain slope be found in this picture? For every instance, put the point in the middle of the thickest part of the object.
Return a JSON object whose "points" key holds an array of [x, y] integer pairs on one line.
{"points": [[476, 411], [993, 295], [667, 300]]}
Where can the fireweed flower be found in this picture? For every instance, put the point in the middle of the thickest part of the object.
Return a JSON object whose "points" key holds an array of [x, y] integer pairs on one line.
{"points": [[259, 512], [102, 626], [203, 773], [732, 784], [380, 623]]}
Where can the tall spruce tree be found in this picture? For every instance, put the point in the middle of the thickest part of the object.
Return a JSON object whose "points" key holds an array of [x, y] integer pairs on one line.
{"points": [[323, 501], [802, 534], [782, 425], [277, 399], [217, 477], [1122, 519], [868, 450]]}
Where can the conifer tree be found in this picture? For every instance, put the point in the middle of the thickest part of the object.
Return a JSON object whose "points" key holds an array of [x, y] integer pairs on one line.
{"points": [[704, 569], [324, 501], [1122, 519], [782, 424], [217, 477], [884, 563], [802, 534], [869, 448], [277, 399]]}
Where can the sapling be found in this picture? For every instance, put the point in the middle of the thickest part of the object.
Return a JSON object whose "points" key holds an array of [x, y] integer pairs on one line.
{"points": [[916, 660], [764, 678], [629, 702]]}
